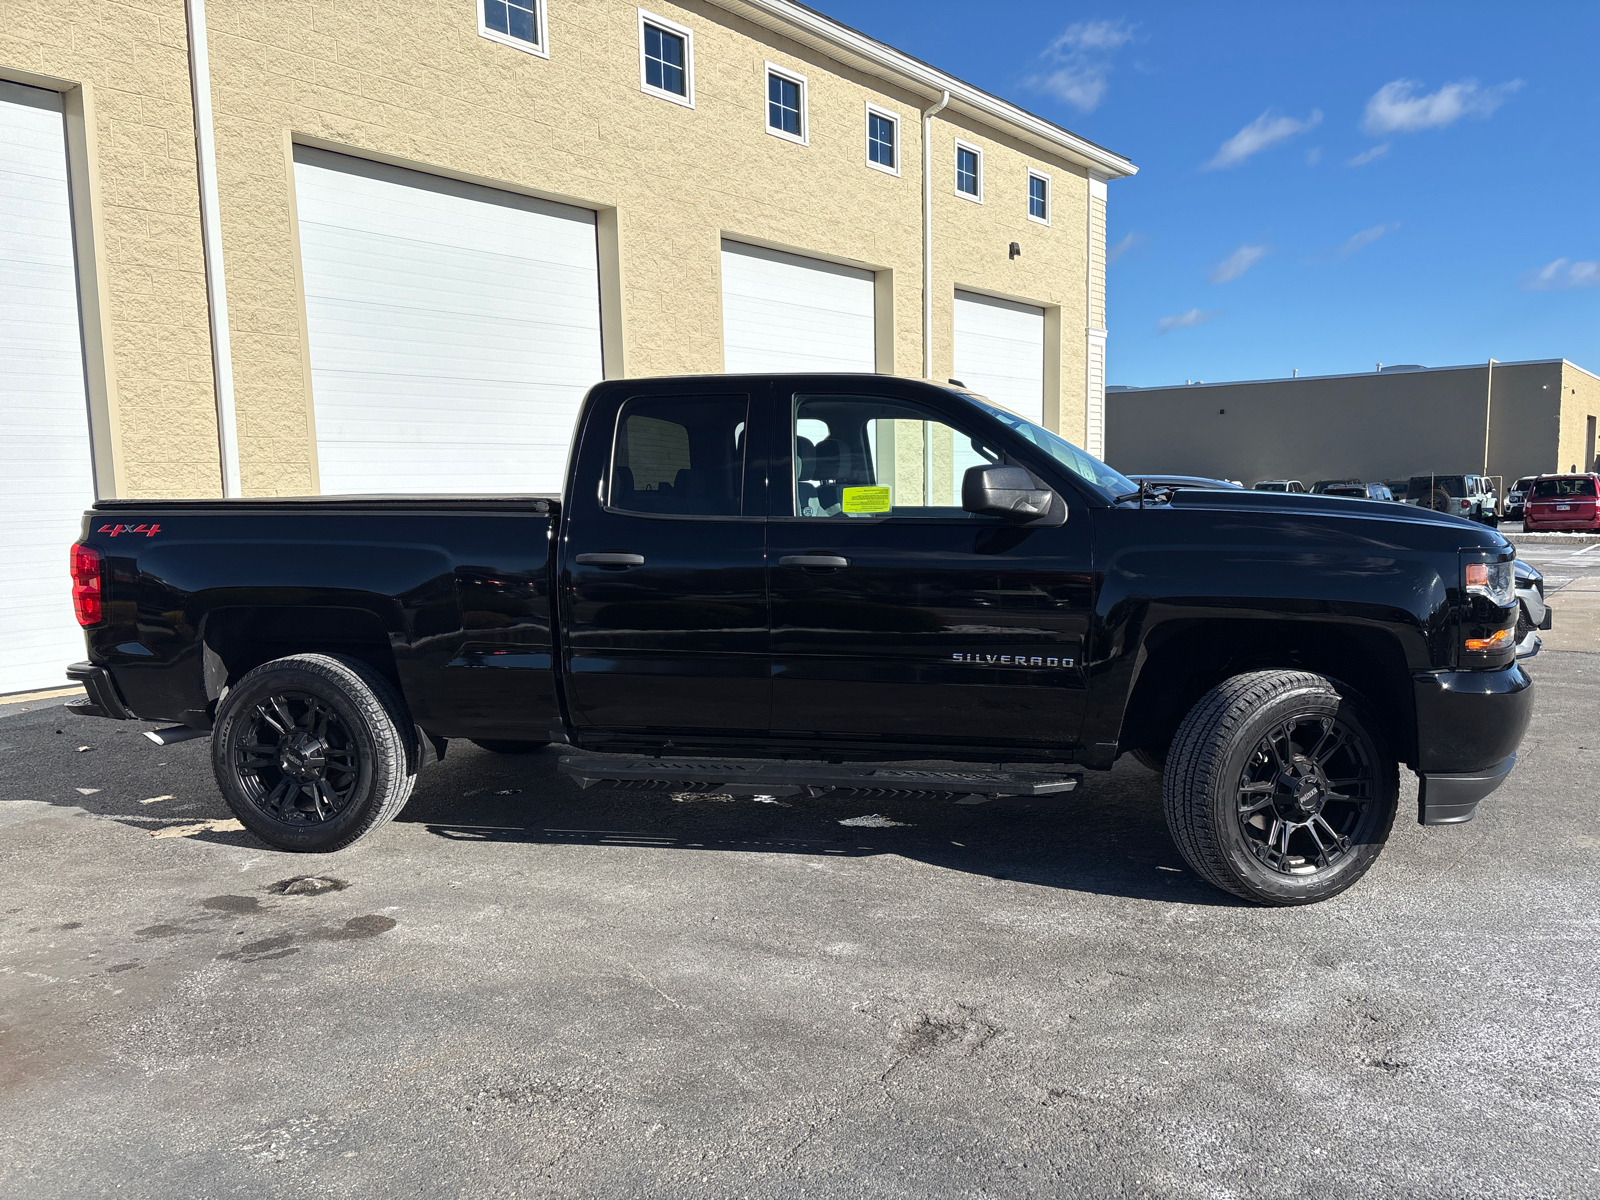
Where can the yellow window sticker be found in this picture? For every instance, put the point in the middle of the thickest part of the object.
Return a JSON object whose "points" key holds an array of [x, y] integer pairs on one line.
{"points": [[866, 499]]}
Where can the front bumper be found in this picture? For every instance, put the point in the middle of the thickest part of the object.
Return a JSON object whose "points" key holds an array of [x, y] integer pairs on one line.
{"points": [[101, 698], [1469, 725], [1446, 798]]}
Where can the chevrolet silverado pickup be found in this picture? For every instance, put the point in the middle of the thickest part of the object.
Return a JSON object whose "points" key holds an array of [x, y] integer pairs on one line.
{"points": [[810, 584]]}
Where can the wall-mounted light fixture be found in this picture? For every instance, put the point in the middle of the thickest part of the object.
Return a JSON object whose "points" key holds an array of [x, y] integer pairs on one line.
{"points": [[1015, 249]]}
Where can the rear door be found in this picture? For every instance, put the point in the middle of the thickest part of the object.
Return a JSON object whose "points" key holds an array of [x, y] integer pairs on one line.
{"points": [[897, 616], [664, 608]]}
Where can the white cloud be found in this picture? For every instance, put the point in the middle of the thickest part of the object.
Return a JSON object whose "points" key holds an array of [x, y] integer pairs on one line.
{"points": [[1117, 249], [1563, 274], [1396, 108], [1366, 156], [1366, 237], [1237, 263], [1092, 35], [1313, 156], [1266, 130], [1186, 320], [1080, 62]]}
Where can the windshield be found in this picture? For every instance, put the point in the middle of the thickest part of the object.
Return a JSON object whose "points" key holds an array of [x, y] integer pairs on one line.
{"points": [[1084, 466]]}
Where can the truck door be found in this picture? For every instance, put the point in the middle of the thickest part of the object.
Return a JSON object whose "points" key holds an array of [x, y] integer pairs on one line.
{"points": [[664, 611], [897, 615]]}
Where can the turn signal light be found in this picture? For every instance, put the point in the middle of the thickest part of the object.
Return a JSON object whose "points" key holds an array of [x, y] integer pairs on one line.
{"points": [[1497, 641], [87, 600]]}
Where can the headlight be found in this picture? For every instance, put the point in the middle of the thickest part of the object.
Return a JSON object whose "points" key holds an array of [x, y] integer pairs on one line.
{"points": [[1495, 582]]}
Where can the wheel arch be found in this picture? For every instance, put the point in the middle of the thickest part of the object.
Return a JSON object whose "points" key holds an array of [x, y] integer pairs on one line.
{"points": [[1181, 660], [239, 638]]}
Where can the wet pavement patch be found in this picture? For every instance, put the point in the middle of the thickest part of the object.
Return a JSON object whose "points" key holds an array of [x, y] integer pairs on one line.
{"points": [[242, 905], [357, 927]]}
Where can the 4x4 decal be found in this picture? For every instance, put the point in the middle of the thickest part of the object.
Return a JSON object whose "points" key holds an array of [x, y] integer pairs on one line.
{"points": [[114, 530]]}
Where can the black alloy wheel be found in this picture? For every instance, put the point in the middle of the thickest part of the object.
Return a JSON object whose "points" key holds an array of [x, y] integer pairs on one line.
{"points": [[1279, 789], [1303, 792], [313, 751], [296, 761]]}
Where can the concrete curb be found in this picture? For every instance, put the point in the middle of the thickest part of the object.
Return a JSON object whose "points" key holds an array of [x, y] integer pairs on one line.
{"points": [[1553, 539]]}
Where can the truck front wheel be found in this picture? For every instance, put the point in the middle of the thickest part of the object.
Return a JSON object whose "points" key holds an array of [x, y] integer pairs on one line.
{"points": [[1277, 790], [310, 751]]}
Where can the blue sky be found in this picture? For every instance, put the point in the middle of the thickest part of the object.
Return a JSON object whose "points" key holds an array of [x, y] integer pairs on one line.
{"points": [[1321, 187]]}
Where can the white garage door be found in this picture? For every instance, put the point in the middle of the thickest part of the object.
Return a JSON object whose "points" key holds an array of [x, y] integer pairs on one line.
{"points": [[782, 312], [999, 352], [46, 472], [454, 329]]}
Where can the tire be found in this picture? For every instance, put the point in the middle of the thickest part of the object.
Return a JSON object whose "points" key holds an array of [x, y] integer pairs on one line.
{"points": [[313, 752], [1439, 500], [1149, 758], [1234, 786], [503, 746], [1525, 624]]}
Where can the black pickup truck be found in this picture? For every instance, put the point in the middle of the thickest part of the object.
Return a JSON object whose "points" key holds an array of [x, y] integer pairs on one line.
{"points": [[797, 585]]}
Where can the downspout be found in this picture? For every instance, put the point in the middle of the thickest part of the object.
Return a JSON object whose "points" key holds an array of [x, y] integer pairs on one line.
{"points": [[1488, 414], [927, 233], [211, 243]]}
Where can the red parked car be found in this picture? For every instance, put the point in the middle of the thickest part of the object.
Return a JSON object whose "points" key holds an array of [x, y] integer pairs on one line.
{"points": [[1563, 502]]}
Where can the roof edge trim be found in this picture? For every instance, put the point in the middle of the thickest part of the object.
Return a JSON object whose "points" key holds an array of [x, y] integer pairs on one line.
{"points": [[829, 34]]}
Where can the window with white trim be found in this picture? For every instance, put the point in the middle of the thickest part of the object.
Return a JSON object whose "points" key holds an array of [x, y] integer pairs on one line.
{"points": [[786, 105], [1039, 197], [518, 23], [666, 59], [883, 140], [969, 172]]}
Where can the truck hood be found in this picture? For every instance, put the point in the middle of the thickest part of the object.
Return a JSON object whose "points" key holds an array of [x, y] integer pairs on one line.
{"points": [[1396, 518]]}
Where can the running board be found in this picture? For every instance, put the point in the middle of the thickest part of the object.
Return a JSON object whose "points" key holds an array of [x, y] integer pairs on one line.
{"points": [[766, 778]]}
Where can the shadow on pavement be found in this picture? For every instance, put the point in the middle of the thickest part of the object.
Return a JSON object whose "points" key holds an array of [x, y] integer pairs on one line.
{"points": [[1109, 837]]}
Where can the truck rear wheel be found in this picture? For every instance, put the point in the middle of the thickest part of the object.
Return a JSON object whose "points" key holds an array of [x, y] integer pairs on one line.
{"points": [[311, 752], [1278, 790]]}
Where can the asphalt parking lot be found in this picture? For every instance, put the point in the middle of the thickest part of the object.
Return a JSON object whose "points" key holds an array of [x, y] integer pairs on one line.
{"points": [[519, 989]]}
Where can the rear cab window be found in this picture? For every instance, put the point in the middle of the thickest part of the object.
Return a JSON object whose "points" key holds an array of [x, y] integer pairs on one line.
{"points": [[680, 456]]}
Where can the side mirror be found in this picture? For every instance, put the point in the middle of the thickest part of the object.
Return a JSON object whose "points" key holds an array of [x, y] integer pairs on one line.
{"points": [[996, 491]]}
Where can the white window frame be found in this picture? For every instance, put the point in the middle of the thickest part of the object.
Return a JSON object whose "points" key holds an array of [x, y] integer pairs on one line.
{"points": [[687, 34], [794, 77], [894, 119], [1049, 196], [541, 49], [955, 161]]}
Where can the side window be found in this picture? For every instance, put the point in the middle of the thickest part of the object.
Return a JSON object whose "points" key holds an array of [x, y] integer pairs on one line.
{"points": [[863, 456], [680, 456], [666, 59], [786, 104], [518, 23]]}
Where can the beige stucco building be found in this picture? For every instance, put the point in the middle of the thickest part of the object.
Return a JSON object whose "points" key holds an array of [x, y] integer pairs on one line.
{"points": [[1508, 420], [326, 246]]}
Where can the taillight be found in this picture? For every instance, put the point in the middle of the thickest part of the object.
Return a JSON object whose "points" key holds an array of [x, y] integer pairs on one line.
{"points": [[87, 600]]}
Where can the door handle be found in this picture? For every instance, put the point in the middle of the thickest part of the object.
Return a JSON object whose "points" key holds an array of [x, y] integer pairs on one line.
{"points": [[610, 560], [813, 560]]}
